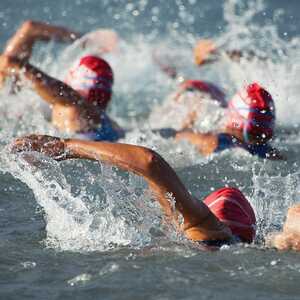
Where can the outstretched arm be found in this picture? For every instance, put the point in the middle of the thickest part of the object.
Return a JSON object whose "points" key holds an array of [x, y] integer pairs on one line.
{"points": [[21, 44], [50, 89], [205, 143], [199, 223]]}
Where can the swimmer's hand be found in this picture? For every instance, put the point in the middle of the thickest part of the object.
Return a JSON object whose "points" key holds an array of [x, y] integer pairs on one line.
{"points": [[289, 238], [292, 222], [50, 146], [101, 40], [204, 52], [10, 63], [8, 66]]}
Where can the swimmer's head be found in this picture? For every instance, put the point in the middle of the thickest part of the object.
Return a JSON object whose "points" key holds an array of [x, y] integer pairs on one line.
{"points": [[251, 114], [92, 78], [231, 207], [208, 88]]}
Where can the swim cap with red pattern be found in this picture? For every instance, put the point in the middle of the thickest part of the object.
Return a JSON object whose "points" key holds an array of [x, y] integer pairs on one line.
{"points": [[92, 77], [206, 87], [230, 206], [252, 111]]}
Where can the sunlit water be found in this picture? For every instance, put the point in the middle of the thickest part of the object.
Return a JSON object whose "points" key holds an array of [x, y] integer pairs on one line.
{"points": [[79, 229]]}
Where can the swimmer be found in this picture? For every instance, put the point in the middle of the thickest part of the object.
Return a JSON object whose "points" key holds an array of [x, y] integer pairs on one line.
{"points": [[224, 217], [246, 122], [78, 104]]}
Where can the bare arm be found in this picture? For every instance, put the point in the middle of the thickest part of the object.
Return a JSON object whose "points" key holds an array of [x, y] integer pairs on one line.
{"points": [[21, 44], [199, 222], [50, 89], [206, 143]]}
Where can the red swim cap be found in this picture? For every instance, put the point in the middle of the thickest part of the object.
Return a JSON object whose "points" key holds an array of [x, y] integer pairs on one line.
{"points": [[252, 111], [92, 77], [230, 206], [206, 87]]}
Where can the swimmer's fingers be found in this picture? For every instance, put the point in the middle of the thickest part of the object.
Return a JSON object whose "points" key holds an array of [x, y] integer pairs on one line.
{"points": [[27, 143], [9, 65], [284, 241], [292, 223], [50, 146], [205, 52], [4, 67], [289, 238]]}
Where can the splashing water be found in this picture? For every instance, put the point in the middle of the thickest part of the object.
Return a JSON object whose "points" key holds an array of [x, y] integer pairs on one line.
{"points": [[124, 213]]}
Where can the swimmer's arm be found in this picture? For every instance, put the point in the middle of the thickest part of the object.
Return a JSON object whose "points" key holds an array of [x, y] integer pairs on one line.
{"points": [[50, 89], [21, 44], [205, 143], [198, 221]]}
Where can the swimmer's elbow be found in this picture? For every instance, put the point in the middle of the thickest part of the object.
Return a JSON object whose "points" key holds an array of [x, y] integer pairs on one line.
{"points": [[27, 27], [152, 161]]}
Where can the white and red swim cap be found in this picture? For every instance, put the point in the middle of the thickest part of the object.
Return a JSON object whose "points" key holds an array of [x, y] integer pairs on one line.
{"points": [[252, 111], [231, 207], [92, 77], [205, 87]]}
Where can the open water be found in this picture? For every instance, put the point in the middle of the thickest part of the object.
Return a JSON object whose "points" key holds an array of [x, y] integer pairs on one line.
{"points": [[83, 230]]}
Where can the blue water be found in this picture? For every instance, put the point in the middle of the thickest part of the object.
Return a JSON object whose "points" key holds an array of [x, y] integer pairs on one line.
{"points": [[82, 230]]}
